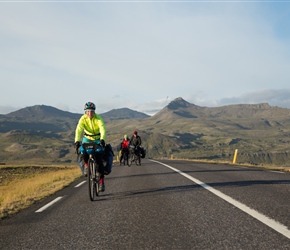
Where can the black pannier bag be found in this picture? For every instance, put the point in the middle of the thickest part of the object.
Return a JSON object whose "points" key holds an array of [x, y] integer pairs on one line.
{"points": [[108, 159]]}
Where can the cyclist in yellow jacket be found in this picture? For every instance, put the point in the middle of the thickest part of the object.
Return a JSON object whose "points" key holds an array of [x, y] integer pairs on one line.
{"points": [[91, 126]]}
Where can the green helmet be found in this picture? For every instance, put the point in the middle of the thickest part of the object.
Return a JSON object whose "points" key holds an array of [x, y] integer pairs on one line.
{"points": [[126, 137]]}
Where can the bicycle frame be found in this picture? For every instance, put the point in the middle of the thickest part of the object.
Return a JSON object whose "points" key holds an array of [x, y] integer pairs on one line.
{"points": [[133, 156], [93, 169]]}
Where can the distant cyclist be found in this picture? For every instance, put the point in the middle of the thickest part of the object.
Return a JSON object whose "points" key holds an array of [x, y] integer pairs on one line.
{"points": [[93, 128], [136, 141], [125, 148]]}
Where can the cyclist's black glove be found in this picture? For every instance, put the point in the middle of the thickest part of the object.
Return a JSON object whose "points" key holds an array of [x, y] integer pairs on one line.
{"points": [[103, 143], [77, 145]]}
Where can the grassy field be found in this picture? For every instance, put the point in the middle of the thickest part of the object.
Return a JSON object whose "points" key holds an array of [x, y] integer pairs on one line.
{"points": [[21, 186]]}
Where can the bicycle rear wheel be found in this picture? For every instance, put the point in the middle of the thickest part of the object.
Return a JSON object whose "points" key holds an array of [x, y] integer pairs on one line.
{"points": [[130, 159], [92, 179]]}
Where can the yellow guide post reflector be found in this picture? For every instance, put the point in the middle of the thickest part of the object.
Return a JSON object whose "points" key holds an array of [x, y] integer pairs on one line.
{"points": [[235, 156]]}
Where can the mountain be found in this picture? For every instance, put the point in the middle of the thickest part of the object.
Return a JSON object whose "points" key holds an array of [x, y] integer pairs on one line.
{"points": [[259, 131], [123, 113], [179, 108], [42, 112], [38, 118], [182, 108], [47, 118], [181, 129], [45, 133]]}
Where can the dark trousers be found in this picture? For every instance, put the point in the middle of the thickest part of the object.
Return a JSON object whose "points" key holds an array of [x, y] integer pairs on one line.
{"points": [[124, 151], [99, 159]]}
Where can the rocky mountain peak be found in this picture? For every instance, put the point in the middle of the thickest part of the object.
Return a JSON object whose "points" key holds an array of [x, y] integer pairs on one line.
{"points": [[179, 103]]}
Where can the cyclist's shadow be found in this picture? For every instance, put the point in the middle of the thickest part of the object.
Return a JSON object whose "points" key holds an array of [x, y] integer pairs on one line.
{"points": [[145, 192]]}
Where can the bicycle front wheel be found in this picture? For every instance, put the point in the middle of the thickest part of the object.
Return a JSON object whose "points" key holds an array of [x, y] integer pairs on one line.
{"points": [[92, 179], [97, 183]]}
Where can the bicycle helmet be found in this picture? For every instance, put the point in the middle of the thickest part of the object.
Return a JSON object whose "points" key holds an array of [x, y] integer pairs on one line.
{"points": [[89, 106], [126, 137], [135, 132]]}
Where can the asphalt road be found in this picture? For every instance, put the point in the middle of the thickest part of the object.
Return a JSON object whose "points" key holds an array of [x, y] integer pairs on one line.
{"points": [[161, 205]]}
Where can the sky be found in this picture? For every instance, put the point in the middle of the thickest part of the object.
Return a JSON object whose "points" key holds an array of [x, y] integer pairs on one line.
{"points": [[143, 54]]}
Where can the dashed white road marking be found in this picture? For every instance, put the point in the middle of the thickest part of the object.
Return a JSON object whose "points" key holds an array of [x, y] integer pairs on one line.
{"points": [[280, 228], [55, 200], [48, 204], [81, 183]]}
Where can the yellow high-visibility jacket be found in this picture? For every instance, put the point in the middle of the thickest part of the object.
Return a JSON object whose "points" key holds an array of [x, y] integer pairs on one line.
{"points": [[93, 129]]}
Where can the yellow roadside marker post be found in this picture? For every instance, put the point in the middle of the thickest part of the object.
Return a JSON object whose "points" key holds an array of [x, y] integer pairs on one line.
{"points": [[235, 156]]}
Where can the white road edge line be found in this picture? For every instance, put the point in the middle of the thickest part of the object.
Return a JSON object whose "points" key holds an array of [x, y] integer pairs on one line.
{"points": [[280, 228], [81, 183], [48, 204], [278, 172]]}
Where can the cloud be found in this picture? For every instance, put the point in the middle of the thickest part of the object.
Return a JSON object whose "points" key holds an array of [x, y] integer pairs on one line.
{"points": [[280, 98], [135, 54]]}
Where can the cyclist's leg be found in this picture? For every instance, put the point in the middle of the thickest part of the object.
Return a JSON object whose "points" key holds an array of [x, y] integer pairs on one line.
{"points": [[99, 159], [121, 157], [127, 157], [81, 164], [85, 157]]}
